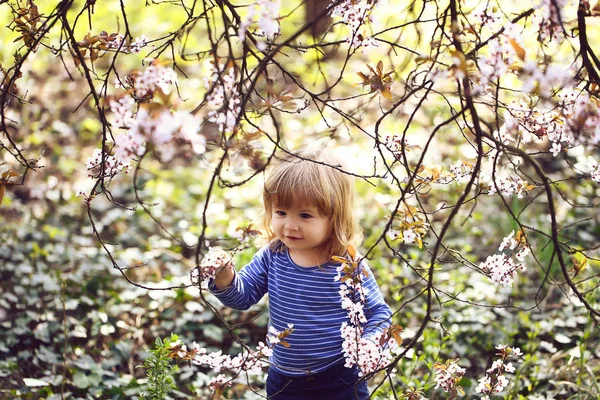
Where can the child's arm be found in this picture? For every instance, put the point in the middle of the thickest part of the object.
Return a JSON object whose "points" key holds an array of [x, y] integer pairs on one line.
{"points": [[378, 313], [240, 290]]}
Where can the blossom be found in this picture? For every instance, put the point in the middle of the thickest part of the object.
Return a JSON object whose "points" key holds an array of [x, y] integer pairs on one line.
{"points": [[556, 148], [447, 376], [393, 234], [105, 165], [409, 236], [122, 110], [117, 41], [219, 381], [508, 241], [138, 43], [223, 97], [506, 185], [368, 353], [487, 17], [161, 129], [550, 18], [501, 269], [212, 262], [396, 144], [355, 14], [265, 14], [495, 380], [544, 81], [188, 131], [154, 77]]}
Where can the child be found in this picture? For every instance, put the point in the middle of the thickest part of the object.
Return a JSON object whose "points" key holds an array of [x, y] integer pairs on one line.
{"points": [[309, 217]]}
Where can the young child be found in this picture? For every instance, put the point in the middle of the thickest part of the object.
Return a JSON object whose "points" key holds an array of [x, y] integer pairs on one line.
{"points": [[309, 217]]}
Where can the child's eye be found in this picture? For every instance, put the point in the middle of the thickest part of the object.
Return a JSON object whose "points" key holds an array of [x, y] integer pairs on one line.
{"points": [[305, 216], [280, 213]]}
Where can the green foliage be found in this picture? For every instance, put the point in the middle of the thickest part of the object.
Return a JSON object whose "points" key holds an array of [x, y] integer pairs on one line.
{"points": [[73, 326], [160, 369]]}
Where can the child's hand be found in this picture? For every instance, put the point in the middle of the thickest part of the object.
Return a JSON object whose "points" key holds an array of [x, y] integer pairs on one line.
{"points": [[214, 263]]}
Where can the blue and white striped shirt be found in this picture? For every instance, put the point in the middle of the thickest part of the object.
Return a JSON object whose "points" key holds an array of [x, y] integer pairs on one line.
{"points": [[308, 298]]}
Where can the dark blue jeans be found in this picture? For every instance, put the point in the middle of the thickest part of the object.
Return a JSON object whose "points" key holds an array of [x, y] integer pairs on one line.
{"points": [[336, 383]]}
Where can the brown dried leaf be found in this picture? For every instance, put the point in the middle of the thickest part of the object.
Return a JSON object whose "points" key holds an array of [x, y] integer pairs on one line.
{"points": [[364, 77], [351, 251], [338, 259], [386, 93], [518, 49]]}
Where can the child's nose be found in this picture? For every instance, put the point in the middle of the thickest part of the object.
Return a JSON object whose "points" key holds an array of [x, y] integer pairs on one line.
{"points": [[291, 224]]}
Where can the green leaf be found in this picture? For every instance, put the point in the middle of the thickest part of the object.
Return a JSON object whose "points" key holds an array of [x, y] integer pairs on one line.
{"points": [[81, 380]]}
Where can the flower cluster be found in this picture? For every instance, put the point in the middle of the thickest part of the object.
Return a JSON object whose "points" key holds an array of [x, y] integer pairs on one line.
{"points": [[368, 353], [502, 268], [504, 52], [251, 362], [396, 145], [575, 121], [275, 337], [117, 41], [528, 124], [448, 377], [508, 186], [213, 261], [107, 168], [265, 14], [355, 14], [411, 226], [550, 19], [154, 126], [459, 172], [162, 129], [581, 116], [223, 96], [145, 84], [488, 17], [542, 82], [122, 111], [495, 380]]}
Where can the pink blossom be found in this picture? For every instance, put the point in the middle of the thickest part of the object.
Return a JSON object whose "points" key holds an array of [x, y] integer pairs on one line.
{"points": [[223, 97], [501, 269], [508, 241], [550, 18], [265, 14], [409, 236], [367, 353], [107, 168], [356, 14], [447, 376], [211, 264]]}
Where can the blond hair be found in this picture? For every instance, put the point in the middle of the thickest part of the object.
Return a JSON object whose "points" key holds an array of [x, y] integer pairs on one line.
{"points": [[313, 178]]}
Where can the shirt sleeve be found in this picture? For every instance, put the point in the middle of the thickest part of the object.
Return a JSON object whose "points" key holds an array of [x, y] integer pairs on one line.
{"points": [[249, 284], [378, 313]]}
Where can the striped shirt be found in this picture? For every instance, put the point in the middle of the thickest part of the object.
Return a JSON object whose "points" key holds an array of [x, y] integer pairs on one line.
{"points": [[307, 297]]}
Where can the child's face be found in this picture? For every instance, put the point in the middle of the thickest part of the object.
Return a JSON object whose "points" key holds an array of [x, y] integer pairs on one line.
{"points": [[304, 231]]}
